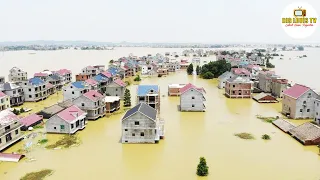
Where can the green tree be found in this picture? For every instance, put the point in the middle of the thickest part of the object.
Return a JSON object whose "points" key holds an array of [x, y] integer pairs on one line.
{"points": [[111, 61], [208, 75], [202, 169], [300, 48], [190, 69], [269, 65], [137, 78], [16, 112], [198, 70], [22, 110], [127, 98], [216, 68]]}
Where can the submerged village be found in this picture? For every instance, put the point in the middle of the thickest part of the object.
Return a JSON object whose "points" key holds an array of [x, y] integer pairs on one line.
{"points": [[100, 91]]}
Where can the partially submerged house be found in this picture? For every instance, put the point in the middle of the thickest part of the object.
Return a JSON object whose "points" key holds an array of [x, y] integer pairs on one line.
{"points": [[141, 124], [298, 102], [192, 98], [14, 91], [34, 89], [174, 89], [223, 78], [74, 90], [283, 125], [30, 121], [317, 111], [265, 98], [52, 110], [17, 75], [4, 101], [112, 103], [68, 121], [307, 133], [116, 88], [162, 71], [238, 87], [265, 79], [149, 94], [92, 102], [9, 129]]}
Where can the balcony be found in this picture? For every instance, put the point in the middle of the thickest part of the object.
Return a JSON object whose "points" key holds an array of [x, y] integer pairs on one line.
{"points": [[12, 128], [18, 94], [13, 140]]}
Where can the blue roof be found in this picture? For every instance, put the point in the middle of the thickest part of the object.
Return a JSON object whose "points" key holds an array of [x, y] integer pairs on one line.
{"points": [[113, 71], [36, 81], [145, 89], [78, 84], [55, 77], [100, 78]]}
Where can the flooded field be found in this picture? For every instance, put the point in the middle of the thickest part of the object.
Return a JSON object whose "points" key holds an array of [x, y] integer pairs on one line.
{"points": [[188, 136]]}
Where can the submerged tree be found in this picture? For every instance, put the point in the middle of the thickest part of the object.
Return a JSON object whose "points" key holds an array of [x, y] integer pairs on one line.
{"points": [[127, 98], [190, 69], [198, 70], [202, 169]]}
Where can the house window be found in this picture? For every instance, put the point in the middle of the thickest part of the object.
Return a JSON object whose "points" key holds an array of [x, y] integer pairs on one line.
{"points": [[17, 131], [54, 127], [308, 110], [136, 123], [29, 89], [126, 141], [133, 134], [71, 87], [125, 129], [300, 110], [25, 83], [82, 104], [72, 92], [116, 89], [62, 127], [304, 102], [317, 104], [30, 96], [192, 97], [192, 105], [72, 126], [142, 134], [0, 141], [317, 113], [233, 85]]}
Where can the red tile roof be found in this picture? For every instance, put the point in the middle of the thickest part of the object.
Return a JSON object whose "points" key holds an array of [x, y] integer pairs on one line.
{"points": [[49, 85], [250, 66], [280, 81], [11, 157], [91, 82], [120, 82], [296, 91], [190, 86], [63, 71], [29, 120], [71, 113], [107, 74], [93, 95], [239, 71], [2, 94], [40, 74]]}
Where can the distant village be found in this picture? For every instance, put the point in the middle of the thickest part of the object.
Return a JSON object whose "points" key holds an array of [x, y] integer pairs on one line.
{"points": [[98, 91]]}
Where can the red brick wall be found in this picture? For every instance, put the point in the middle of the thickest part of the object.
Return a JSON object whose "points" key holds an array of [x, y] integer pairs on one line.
{"points": [[81, 77]]}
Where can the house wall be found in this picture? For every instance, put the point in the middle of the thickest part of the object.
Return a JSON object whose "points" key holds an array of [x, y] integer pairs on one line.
{"points": [[173, 91], [238, 90], [4, 102], [17, 76], [34, 93], [147, 126], [53, 125], [192, 98], [94, 109], [317, 111], [81, 77], [115, 90], [288, 106], [306, 111], [15, 134], [16, 96], [264, 83], [277, 89], [72, 93]]}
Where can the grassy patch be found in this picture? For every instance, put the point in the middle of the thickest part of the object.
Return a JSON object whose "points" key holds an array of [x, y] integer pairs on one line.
{"points": [[43, 141], [265, 137], [39, 175], [38, 127], [267, 119], [65, 142], [244, 135]]}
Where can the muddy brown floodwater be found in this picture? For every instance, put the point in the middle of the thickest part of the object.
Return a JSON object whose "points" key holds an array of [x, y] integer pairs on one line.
{"points": [[189, 135]]}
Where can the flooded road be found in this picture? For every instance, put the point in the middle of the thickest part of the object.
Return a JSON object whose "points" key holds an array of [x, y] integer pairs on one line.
{"points": [[188, 136]]}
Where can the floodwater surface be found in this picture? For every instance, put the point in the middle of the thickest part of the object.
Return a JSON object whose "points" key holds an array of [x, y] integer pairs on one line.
{"points": [[189, 135]]}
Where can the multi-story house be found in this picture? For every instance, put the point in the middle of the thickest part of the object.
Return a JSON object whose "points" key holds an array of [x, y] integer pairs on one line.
{"points": [[175, 89], [116, 88], [112, 103], [2, 80], [242, 72], [173, 66], [9, 129], [56, 80], [223, 78], [92, 103], [278, 85], [192, 98], [141, 124], [238, 87], [68, 121], [66, 74], [4, 101], [265, 79], [14, 91], [34, 89], [102, 82], [89, 72], [93, 85], [299, 102], [74, 90], [149, 94], [129, 71], [42, 75], [254, 70], [17, 75], [317, 111]]}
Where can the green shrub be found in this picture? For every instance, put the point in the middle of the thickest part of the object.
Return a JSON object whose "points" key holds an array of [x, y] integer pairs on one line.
{"points": [[39, 175], [207, 75], [244, 135], [265, 137], [202, 168]]}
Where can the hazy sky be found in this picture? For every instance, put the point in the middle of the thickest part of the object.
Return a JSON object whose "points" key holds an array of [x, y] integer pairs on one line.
{"points": [[206, 21]]}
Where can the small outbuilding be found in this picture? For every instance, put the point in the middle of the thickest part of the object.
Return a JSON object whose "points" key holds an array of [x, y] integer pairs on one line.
{"points": [[307, 133], [265, 98], [284, 125], [31, 121]]}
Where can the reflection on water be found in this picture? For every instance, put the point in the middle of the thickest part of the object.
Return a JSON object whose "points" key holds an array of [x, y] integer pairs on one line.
{"points": [[188, 136]]}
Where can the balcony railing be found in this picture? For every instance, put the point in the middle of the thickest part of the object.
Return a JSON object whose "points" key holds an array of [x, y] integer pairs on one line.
{"points": [[12, 127]]}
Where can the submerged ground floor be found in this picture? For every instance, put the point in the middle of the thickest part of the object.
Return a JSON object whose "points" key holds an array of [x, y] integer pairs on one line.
{"points": [[189, 135]]}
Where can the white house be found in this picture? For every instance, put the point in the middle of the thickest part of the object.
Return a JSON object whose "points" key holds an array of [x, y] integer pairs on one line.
{"points": [[17, 75], [74, 90], [34, 89]]}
